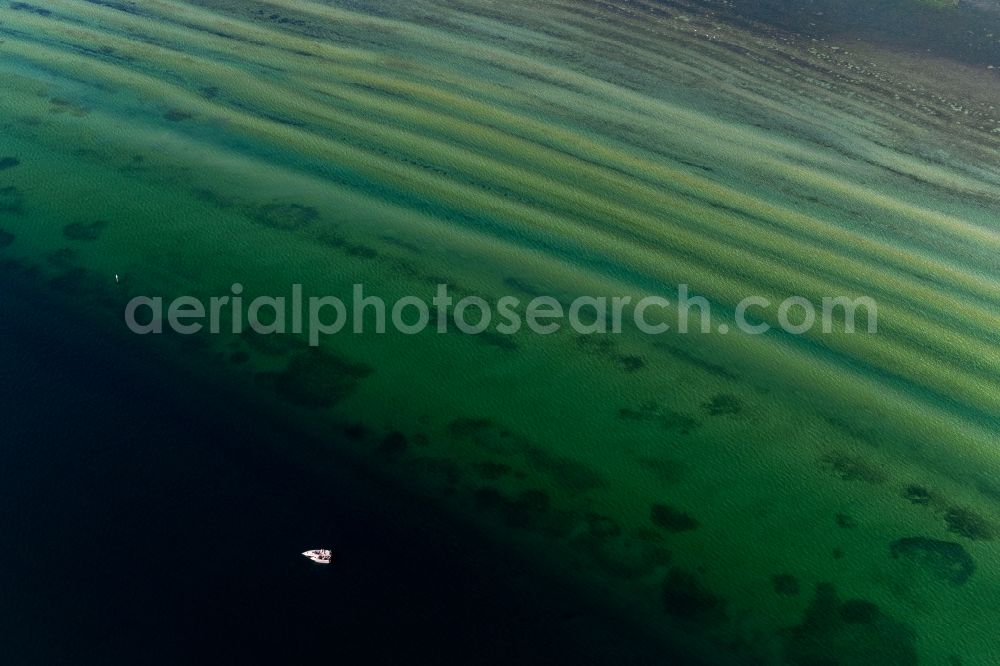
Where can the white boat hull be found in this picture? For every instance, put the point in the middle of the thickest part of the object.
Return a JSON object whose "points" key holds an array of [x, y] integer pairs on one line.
{"points": [[319, 556]]}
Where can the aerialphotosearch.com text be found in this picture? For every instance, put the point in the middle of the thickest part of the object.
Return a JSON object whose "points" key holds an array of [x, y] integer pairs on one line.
{"points": [[441, 312]]}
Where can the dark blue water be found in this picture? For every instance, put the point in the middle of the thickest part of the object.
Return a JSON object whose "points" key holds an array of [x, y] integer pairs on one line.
{"points": [[144, 519]]}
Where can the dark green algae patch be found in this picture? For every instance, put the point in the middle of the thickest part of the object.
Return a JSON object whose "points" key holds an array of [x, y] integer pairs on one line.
{"points": [[85, 231], [723, 404], [785, 584], [11, 200], [667, 418], [687, 599], [492, 437], [945, 560], [672, 519], [318, 379], [854, 632], [968, 524]]}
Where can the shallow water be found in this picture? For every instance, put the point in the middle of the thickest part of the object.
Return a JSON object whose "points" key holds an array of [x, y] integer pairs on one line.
{"points": [[740, 491]]}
